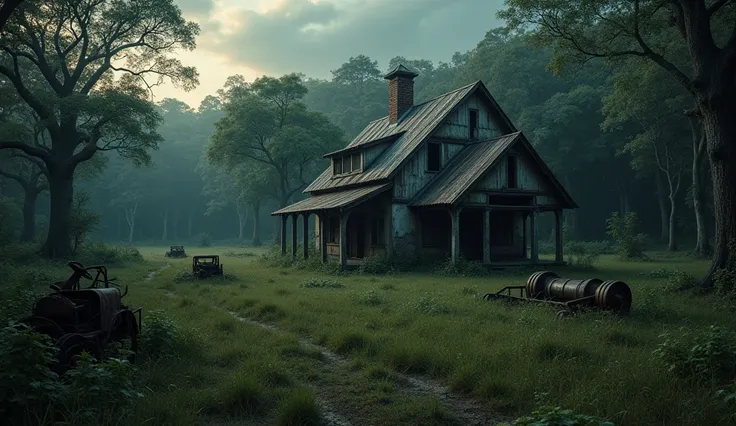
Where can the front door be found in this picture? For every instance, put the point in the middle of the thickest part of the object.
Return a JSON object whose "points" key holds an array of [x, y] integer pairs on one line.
{"points": [[356, 236]]}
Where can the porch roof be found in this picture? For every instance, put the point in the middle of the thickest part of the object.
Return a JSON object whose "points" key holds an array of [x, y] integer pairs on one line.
{"points": [[334, 200]]}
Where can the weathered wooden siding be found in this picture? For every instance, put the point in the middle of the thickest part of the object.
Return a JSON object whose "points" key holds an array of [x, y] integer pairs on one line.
{"points": [[456, 125], [403, 229], [414, 176], [527, 178], [546, 200]]}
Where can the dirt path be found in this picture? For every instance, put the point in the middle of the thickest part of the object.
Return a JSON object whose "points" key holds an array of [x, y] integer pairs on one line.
{"points": [[466, 410], [152, 274]]}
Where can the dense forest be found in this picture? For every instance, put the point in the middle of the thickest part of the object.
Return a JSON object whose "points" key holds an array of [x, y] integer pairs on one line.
{"points": [[621, 135]]}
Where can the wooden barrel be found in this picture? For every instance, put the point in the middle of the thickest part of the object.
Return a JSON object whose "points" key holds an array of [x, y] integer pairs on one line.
{"points": [[613, 295]]}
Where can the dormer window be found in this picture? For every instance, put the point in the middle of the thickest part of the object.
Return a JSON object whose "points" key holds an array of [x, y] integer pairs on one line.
{"points": [[347, 164]]}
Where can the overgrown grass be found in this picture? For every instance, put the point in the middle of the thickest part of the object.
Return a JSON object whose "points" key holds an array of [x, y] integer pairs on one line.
{"points": [[417, 323]]}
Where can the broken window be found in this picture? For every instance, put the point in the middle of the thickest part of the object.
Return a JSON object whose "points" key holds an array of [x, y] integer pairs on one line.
{"points": [[473, 124], [433, 157], [511, 172]]}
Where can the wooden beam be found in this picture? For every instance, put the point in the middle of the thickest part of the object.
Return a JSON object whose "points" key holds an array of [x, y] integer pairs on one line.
{"points": [[455, 243], [389, 231], [293, 235], [344, 239], [523, 228], [305, 236], [558, 236], [323, 223], [533, 232], [487, 237], [283, 234]]}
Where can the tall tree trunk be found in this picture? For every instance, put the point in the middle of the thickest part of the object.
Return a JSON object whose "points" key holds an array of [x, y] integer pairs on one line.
{"points": [[165, 217], [702, 245], [29, 213], [130, 218], [256, 241], [672, 244], [662, 201], [242, 210], [61, 193], [720, 132]]}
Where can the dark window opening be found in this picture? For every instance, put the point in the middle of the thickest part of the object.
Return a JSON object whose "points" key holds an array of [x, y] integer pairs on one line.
{"points": [[473, 125], [347, 164], [511, 171], [436, 230], [377, 232], [333, 230], [356, 162], [433, 157], [502, 229], [506, 200]]}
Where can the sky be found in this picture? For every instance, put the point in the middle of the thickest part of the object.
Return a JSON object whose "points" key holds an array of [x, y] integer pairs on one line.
{"points": [[276, 37]]}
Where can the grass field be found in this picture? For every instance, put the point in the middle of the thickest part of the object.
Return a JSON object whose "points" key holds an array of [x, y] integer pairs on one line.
{"points": [[286, 346]]}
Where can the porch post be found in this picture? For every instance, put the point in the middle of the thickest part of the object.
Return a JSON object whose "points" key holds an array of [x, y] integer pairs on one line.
{"points": [[486, 236], [523, 230], [344, 239], [558, 236], [533, 232], [323, 237], [305, 237], [389, 231], [293, 235], [455, 245], [283, 234]]}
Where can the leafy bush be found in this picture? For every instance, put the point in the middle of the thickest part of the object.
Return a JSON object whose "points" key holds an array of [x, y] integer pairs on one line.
{"points": [[299, 409], [320, 283], [241, 254], [104, 254], [547, 414], [706, 355], [159, 335], [81, 220], [629, 244], [376, 265], [37, 395], [205, 239], [184, 276], [725, 283], [582, 255], [463, 268]]}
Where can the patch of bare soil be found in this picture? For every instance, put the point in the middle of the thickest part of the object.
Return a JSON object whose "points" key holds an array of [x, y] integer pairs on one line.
{"points": [[152, 274]]}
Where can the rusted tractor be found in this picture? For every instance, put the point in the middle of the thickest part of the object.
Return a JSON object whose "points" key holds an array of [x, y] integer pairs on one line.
{"points": [[176, 252], [206, 266], [569, 294], [85, 319]]}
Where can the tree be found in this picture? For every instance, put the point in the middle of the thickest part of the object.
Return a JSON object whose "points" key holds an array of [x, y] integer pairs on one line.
{"points": [[643, 94], [639, 28], [74, 48], [268, 125], [26, 173], [6, 10], [357, 72]]}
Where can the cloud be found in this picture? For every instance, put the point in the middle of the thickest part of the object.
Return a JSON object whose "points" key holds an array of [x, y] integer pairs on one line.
{"points": [[196, 8], [316, 36]]}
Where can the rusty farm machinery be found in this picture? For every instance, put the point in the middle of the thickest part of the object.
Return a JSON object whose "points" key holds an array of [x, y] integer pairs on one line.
{"points": [[176, 252], [85, 319], [569, 294], [206, 266]]}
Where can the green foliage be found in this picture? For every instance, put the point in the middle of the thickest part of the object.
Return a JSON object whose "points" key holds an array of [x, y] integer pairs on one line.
{"points": [[103, 254], [725, 283], [462, 268], [39, 396], [371, 298], [550, 415], [238, 254], [582, 254], [320, 283], [376, 265], [204, 239], [299, 409], [630, 245], [429, 306], [82, 221], [160, 335], [706, 355]]}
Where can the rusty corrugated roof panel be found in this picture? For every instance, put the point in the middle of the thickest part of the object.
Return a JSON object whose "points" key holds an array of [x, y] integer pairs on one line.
{"points": [[334, 200], [418, 123], [468, 166]]}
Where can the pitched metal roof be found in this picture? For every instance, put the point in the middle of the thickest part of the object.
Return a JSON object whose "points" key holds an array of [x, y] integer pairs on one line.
{"points": [[334, 200], [468, 166], [417, 124]]}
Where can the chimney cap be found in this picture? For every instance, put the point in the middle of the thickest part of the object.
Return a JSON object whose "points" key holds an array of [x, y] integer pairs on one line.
{"points": [[399, 71]]}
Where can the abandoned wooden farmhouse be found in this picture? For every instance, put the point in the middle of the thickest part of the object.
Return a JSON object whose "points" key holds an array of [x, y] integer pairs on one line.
{"points": [[448, 177]]}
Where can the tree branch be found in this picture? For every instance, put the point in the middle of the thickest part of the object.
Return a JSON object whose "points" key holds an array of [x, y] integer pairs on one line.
{"points": [[6, 10], [33, 151], [716, 6]]}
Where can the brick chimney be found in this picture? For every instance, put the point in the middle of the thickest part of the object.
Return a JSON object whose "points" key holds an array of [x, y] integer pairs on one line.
{"points": [[400, 91]]}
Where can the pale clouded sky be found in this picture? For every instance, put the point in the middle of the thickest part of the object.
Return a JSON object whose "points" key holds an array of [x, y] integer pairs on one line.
{"points": [[274, 37]]}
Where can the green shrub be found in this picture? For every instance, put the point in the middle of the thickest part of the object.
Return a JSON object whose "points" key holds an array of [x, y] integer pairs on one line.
{"points": [[370, 298], [104, 254], [320, 283], [547, 414], [299, 409], [240, 254], [82, 221], [707, 355], [159, 336], [429, 306], [376, 265], [629, 244], [582, 255], [462, 268]]}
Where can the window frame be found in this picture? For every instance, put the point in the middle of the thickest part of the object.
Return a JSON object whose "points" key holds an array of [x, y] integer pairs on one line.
{"points": [[347, 160], [473, 129]]}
